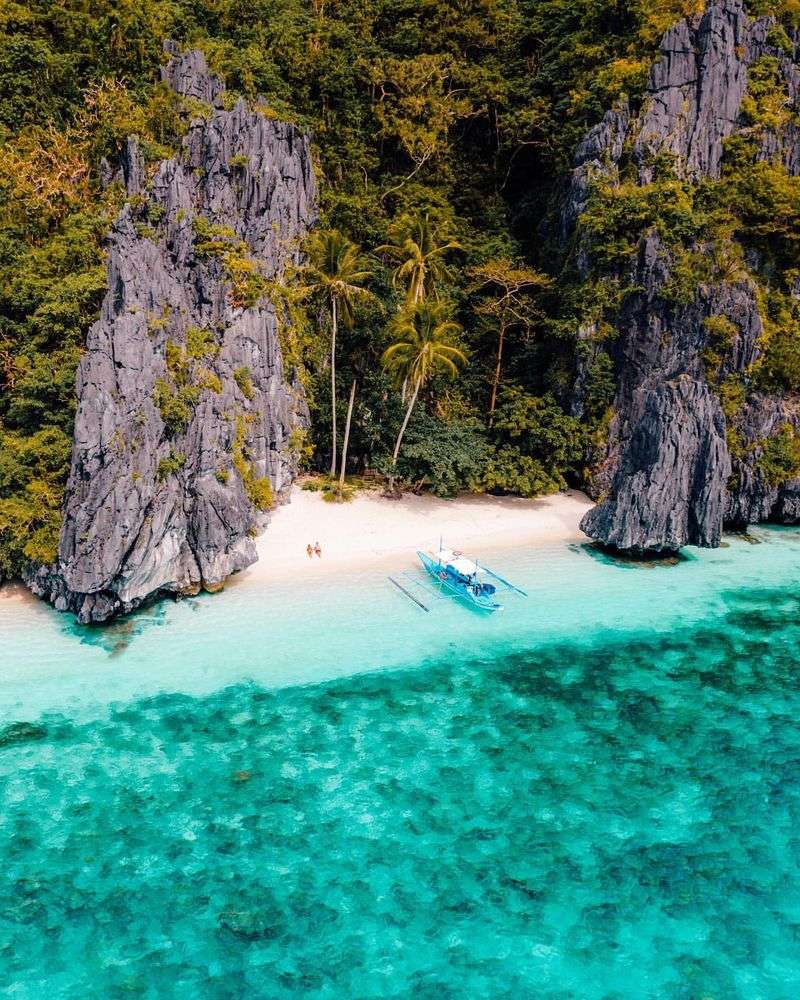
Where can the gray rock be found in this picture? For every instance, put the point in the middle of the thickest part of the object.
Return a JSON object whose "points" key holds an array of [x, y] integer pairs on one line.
{"points": [[130, 170], [596, 156], [663, 481], [21, 732], [150, 509], [669, 487], [665, 472], [187, 74], [751, 498], [787, 505], [696, 88]]}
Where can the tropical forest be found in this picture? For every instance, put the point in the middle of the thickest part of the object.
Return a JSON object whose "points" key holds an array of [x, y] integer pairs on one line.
{"points": [[439, 307]]}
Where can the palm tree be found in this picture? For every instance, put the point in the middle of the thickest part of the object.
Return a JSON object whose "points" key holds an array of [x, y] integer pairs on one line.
{"points": [[338, 275], [346, 437], [423, 347], [419, 257]]}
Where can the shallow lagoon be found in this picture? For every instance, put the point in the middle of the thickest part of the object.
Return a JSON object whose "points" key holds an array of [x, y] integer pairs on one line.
{"points": [[325, 792]]}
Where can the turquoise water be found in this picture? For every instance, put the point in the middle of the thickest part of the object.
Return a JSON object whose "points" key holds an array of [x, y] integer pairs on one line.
{"points": [[328, 793]]}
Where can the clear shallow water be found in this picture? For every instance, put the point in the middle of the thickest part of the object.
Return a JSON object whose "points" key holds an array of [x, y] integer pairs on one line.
{"points": [[594, 794]]}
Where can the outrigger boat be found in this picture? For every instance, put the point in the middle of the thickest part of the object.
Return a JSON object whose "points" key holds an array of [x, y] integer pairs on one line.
{"points": [[462, 577], [454, 573]]}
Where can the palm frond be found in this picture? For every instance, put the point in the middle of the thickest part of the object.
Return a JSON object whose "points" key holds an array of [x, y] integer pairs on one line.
{"points": [[423, 344]]}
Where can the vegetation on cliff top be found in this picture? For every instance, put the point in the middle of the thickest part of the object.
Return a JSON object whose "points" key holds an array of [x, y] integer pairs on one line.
{"points": [[461, 117]]}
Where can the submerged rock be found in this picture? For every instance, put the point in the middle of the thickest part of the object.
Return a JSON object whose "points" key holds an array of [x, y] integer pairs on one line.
{"points": [[21, 732], [184, 407], [259, 923]]}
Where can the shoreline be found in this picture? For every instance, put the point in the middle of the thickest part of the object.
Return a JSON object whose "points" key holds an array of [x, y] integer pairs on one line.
{"points": [[371, 532]]}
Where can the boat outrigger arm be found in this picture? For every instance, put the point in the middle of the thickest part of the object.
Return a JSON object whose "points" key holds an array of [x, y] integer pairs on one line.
{"points": [[408, 594], [505, 583], [465, 578]]}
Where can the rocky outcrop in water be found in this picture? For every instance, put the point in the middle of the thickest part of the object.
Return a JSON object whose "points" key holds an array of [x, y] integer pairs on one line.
{"points": [[185, 411], [669, 476]]}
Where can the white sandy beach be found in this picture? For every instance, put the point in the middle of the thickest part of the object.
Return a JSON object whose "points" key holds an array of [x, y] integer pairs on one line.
{"points": [[371, 531]]}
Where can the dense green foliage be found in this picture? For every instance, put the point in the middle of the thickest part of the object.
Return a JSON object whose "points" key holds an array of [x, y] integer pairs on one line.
{"points": [[742, 227], [445, 125]]}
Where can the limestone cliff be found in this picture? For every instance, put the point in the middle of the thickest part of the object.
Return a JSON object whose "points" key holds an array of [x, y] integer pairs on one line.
{"points": [[185, 411], [668, 476]]}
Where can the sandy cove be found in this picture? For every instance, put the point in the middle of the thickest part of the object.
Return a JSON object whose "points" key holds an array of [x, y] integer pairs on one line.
{"points": [[371, 531]]}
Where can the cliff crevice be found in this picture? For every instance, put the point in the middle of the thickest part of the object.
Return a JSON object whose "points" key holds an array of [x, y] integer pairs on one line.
{"points": [[681, 459], [185, 412]]}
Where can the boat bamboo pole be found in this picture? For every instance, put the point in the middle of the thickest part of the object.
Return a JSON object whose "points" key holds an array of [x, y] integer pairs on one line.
{"points": [[500, 578], [401, 587]]}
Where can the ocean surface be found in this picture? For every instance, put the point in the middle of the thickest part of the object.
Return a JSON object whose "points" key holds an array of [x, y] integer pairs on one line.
{"points": [[322, 791]]}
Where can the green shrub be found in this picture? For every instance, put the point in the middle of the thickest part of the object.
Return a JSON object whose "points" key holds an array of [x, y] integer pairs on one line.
{"points": [[176, 405], [244, 379], [333, 493], [259, 490], [301, 446], [208, 380], [721, 335], [211, 240], [33, 469], [445, 456], [260, 493], [170, 465], [539, 427], [509, 470], [248, 284], [781, 456], [201, 343]]}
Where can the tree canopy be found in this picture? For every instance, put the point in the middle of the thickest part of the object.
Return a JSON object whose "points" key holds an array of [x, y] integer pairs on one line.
{"points": [[442, 132]]}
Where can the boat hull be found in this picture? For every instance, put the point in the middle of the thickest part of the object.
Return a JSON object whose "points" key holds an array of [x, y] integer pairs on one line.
{"points": [[461, 590]]}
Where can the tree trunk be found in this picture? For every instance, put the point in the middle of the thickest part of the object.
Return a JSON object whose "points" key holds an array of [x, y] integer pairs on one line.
{"points": [[399, 440], [497, 370], [333, 391], [347, 435], [415, 300]]}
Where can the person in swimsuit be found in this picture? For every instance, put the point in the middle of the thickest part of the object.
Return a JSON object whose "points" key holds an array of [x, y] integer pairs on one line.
{"points": [[310, 550], [318, 550]]}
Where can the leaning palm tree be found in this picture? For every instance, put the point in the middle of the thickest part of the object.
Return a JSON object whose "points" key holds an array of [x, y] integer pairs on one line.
{"points": [[423, 347], [419, 256], [338, 275]]}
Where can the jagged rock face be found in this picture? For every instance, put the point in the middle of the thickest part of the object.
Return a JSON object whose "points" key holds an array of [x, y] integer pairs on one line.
{"points": [[750, 497], [670, 481], [696, 88], [152, 506], [187, 74], [667, 478], [667, 465], [598, 153]]}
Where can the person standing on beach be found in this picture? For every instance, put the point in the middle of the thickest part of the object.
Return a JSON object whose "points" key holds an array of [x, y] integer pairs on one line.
{"points": [[310, 551], [318, 550]]}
